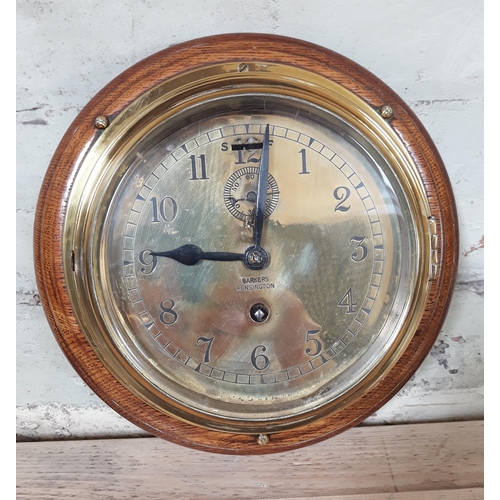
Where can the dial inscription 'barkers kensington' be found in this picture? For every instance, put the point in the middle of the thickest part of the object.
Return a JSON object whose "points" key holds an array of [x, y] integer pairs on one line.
{"points": [[317, 345]]}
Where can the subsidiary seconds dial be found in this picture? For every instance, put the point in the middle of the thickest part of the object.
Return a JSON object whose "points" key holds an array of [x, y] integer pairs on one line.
{"points": [[240, 194]]}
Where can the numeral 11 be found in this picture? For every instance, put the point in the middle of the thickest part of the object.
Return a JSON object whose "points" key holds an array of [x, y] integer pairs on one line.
{"points": [[194, 168]]}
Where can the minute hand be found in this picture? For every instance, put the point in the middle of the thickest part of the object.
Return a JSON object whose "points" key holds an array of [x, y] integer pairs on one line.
{"points": [[260, 207]]}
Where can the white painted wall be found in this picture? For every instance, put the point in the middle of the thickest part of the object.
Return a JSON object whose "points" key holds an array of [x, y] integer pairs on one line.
{"points": [[430, 52]]}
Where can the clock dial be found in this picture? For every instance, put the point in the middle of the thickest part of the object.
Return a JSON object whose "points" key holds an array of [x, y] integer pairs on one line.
{"points": [[246, 251], [337, 285]]}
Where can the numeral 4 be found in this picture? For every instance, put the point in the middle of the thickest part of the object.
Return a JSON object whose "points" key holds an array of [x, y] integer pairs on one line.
{"points": [[348, 302]]}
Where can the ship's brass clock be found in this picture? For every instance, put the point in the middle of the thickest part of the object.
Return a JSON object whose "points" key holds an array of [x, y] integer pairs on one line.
{"points": [[246, 243]]}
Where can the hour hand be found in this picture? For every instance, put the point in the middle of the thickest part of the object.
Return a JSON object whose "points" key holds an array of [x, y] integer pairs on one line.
{"points": [[254, 257], [190, 255]]}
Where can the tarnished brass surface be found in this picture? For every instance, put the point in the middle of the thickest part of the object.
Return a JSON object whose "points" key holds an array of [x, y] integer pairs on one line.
{"points": [[346, 233]]}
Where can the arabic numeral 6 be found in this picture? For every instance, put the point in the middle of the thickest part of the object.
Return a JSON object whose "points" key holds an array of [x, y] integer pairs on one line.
{"points": [[260, 361]]}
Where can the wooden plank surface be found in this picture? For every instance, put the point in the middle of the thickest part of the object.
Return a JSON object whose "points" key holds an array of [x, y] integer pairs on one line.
{"points": [[400, 462]]}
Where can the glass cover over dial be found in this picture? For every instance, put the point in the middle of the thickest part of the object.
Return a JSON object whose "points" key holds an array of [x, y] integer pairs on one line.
{"points": [[253, 258]]}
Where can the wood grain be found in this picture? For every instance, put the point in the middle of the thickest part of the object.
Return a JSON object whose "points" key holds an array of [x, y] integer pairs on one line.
{"points": [[52, 206], [402, 462]]}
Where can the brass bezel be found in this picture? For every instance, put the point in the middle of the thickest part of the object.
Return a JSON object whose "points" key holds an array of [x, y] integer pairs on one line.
{"points": [[181, 92]]}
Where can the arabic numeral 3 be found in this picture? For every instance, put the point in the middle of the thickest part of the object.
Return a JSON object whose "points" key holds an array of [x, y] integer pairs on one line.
{"points": [[361, 251]]}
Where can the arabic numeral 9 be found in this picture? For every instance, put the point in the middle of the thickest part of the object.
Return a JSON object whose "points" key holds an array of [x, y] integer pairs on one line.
{"points": [[148, 262]]}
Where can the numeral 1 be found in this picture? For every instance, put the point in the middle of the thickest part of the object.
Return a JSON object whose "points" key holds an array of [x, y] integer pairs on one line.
{"points": [[304, 162]]}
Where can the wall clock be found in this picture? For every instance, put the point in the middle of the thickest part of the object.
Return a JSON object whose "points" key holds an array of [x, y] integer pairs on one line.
{"points": [[246, 243]]}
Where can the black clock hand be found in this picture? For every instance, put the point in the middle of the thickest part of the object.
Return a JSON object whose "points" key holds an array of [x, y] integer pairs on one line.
{"points": [[255, 257], [190, 255], [260, 207]]}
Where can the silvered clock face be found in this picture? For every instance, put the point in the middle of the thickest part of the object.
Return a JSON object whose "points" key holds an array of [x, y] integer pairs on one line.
{"points": [[244, 346]]}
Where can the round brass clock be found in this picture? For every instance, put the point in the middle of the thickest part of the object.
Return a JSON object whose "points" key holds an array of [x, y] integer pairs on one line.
{"points": [[246, 243]]}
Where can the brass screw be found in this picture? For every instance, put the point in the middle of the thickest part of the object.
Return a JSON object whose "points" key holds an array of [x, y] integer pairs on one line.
{"points": [[101, 122], [386, 112], [243, 67], [263, 439]]}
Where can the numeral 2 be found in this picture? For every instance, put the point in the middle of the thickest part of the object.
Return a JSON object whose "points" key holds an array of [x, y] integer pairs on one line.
{"points": [[342, 195]]}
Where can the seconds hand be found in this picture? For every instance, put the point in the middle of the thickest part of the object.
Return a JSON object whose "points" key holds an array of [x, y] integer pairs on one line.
{"points": [[255, 257]]}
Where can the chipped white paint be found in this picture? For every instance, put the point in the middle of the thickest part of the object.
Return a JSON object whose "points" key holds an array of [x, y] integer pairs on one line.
{"points": [[431, 53]]}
